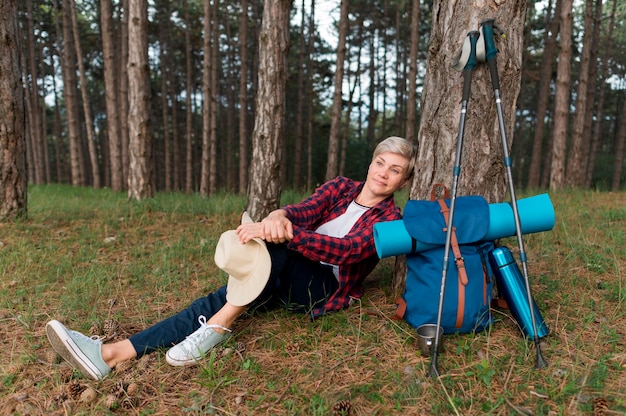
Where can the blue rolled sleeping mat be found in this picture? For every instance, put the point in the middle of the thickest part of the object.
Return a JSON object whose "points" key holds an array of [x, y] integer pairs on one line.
{"points": [[536, 214]]}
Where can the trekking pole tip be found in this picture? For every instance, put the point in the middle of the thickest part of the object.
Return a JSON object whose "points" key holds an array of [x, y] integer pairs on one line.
{"points": [[541, 362], [433, 371]]}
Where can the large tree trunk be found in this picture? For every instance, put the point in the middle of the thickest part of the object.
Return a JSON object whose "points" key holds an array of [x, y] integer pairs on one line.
{"points": [[604, 73], [206, 103], [577, 158], [63, 170], [71, 104], [547, 62], [13, 180], [335, 122], [411, 110], [123, 92], [140, 146], [309, 94], [164, 36], [562, 98], [35, 115], [243, 99], [215, 53], [269, 122], [300, 101], [619, 152], [111, 95], [482, 158], [91, 140], [188, 112]]}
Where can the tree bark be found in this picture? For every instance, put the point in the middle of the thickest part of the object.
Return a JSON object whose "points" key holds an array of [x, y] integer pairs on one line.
{"points": [[35, 116], [300, 104], [547, 63], [123, 93], [13, 179], [335, 126], [562, 98], [577, 158], [111, 95], [265, 188], [164, 35], [243, 99], [207, 91], [215, 53], [482, 159], [70, 93], [411, 110], [604, 74], [140, 145], [91, 140], [309, 94], [188, 112], [619, 152]]}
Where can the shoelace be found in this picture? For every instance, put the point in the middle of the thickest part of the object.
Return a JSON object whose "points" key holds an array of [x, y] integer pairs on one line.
{"points": [[199, 335]]}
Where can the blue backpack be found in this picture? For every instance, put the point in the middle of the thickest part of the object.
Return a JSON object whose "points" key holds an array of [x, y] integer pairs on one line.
{"points": [[469, 280]]}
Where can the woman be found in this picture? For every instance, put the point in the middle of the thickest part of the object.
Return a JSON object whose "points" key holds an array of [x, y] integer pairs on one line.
{"points": [[313, 258]]}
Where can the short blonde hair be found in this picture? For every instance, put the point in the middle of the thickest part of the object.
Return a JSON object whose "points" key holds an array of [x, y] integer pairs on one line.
{"points": [[400, 146]]}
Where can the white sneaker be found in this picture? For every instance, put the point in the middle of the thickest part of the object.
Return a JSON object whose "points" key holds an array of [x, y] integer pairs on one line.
{"points": [[83, 352], [196, 345]]}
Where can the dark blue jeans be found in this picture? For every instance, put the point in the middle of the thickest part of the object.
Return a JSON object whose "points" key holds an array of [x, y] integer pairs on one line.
{"points": [[295, 282]]}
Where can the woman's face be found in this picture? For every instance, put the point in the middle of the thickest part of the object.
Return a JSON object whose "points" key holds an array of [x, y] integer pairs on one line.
{"points": [[387, 173]]}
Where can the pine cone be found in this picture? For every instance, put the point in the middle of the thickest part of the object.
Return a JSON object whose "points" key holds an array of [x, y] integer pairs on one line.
{"points": [[132, 389], [342, 408], [74, 388], [119, 390], [129, 403], [88, 395], [110, 401], [110, 327], [600, 406]]}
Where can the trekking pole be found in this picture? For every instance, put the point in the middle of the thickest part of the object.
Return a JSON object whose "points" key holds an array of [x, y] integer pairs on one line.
{"points": [[486, 29], [466, 61]]}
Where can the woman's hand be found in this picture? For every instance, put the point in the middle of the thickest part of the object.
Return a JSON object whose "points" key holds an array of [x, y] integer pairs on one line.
{"points": [[250, 230], [275, 228]]}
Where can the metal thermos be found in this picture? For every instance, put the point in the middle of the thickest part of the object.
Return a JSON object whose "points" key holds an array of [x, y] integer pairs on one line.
{"points": [[512, 287]]}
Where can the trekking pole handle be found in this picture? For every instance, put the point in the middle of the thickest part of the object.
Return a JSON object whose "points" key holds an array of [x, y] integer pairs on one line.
{"points": [[471, 63], [490, 50], [490, 46]]}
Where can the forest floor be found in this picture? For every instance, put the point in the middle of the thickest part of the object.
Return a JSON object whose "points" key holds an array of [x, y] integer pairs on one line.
{"points": [[91, 259]]}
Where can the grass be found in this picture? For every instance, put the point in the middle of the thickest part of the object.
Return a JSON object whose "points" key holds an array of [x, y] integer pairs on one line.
{"points": [[85, 256]]}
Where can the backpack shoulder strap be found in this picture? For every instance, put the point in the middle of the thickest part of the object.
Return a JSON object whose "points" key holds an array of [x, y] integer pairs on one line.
{"points": [[459, 261]]}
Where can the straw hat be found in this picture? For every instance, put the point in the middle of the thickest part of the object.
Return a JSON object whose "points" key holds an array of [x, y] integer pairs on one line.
{"points": [[248, 265]]}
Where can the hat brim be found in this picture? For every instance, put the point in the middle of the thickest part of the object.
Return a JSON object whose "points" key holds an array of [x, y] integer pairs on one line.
{"points": [[241, 292]]}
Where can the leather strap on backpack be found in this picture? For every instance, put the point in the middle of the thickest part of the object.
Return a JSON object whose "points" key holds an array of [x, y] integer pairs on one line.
{"points": [[459, 261], [401, 309]]}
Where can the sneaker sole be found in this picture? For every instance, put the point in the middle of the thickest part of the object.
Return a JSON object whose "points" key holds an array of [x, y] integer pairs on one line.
{"points": [[65, 346]]}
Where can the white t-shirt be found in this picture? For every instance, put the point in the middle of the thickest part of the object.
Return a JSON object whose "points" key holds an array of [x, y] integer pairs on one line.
{"points": [[342, 225]]}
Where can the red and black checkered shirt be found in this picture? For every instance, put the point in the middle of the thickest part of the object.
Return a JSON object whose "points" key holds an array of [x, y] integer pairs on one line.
{"points": [[355, 253]]}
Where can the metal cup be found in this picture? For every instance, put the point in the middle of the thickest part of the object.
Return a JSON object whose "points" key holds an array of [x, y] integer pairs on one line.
{"points": [[426, 338]]}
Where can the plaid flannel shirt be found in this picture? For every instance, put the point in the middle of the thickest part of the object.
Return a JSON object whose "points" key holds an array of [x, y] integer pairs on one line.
{"points": [[355, 253]]}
